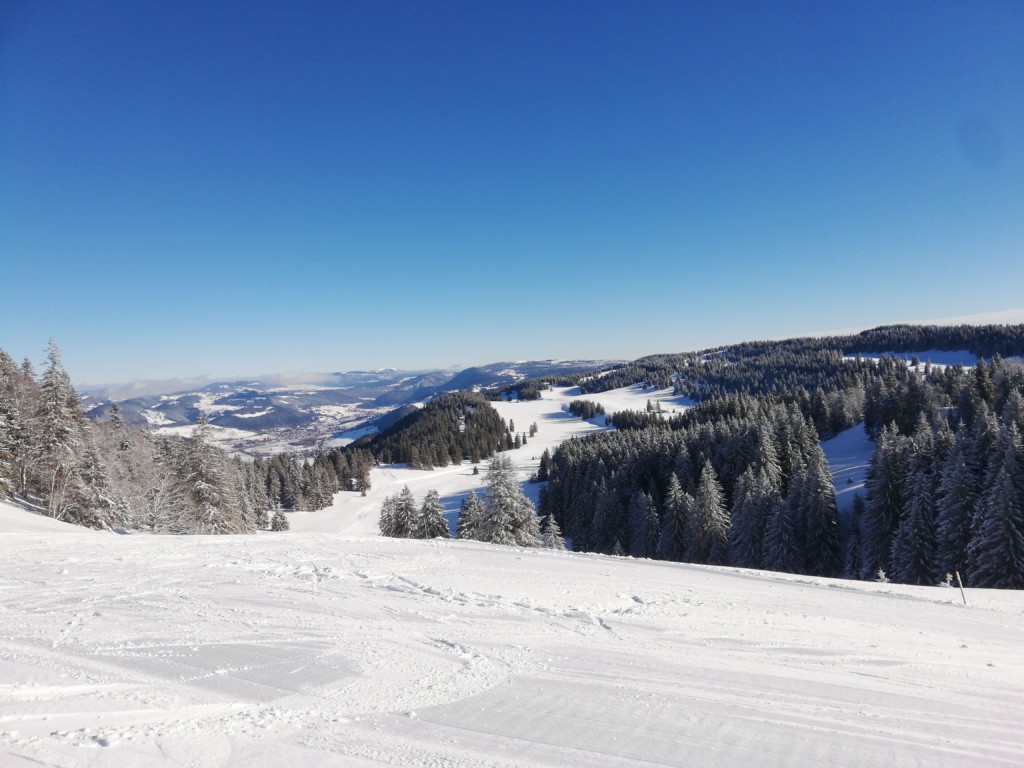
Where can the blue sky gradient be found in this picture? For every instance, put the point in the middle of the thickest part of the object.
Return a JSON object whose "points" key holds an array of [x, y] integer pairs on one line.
{"points": [[237, 188]]}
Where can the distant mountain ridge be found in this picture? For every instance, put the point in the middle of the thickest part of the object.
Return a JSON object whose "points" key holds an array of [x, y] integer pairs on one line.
{"points": [[299, 410]]}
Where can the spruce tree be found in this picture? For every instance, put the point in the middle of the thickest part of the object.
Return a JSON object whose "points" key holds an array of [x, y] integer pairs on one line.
{"points": [[747, 521], [913, 547], [405, 523], [60, 437], [854, 563], [203, 470], [710, 520], [551, 534], [884, 508], [957, 500], [822, 552], [672, 541], [386, 520], [279, 522], [471, 514], [509, 516], [783, 547], [643, 525], [996, 549], [432, 522]]}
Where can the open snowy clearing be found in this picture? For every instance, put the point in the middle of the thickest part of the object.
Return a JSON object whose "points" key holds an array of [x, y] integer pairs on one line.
{"points": [[322, 649], [355, 514]]}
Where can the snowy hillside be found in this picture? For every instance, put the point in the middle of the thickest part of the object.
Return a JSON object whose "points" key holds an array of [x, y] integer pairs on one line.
{"points": [[352, 513], [321, 649], [331, 646]]}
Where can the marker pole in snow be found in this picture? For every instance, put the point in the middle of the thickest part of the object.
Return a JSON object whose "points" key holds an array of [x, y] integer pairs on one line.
{"points": [[961, 585]]}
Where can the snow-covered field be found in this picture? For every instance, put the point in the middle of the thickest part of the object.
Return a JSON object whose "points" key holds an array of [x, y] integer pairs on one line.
{"points": [[331, 650], [330, 646], [355, 514], [849, 456]]}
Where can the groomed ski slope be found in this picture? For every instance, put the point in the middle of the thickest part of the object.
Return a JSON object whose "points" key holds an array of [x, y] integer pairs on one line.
{"points": [[330, 646], [330, 650]]}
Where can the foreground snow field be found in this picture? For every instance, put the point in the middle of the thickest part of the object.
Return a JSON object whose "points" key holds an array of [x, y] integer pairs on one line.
{"points": [[320, 649]]}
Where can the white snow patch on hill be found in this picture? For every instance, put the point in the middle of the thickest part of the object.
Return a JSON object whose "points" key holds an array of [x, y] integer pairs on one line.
{"points": [[848, 454], [938, 357], [356, 514], [15, 519], [314, 649]]}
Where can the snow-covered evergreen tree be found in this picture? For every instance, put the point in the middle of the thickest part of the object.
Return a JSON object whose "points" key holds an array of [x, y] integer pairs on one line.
{"points": [[884, 508], [509, 517], [432, 522], [60, 436], [643, 525], [470, 518], [551, 534], [913, 548], [957, 500], [822, 553], [386, 520], [214, 508], [754, 501], [406, 524], [672, 541], [783, 547], [709, 529], [279, 522], [996, 549], [853, 563]]}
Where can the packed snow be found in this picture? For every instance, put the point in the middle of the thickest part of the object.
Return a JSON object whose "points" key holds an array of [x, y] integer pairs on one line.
{"points": [[331, 646], [333, 650]]}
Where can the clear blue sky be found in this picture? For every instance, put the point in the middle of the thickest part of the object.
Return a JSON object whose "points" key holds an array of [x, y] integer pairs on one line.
{"points": [[247, 187]]}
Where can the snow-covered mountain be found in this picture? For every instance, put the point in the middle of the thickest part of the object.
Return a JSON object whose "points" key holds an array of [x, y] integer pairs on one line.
{"points": [[301, 411]]}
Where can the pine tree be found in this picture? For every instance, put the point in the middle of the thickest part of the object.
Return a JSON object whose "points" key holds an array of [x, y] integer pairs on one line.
{"points": [[913, 546], [853, 565], [509, 516], [406, 517], [203, 469], [551, 534], [783, 548], [747, 522], [545, 466], [957, 500], [432, 522], [708, 534], [884, 508], [470, 518], [60, 436], [643, 524], [386, 519], [996, 549], [279, 522], [672, 541], [821, 522], [996, 552]]}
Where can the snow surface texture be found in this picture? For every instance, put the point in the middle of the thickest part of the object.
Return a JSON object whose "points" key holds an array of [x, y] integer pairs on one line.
{"points": [[330, 650], [331, 646]]}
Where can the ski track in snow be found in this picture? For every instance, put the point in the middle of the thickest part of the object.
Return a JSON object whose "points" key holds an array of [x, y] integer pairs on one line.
{"points": [[340, 648]]}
